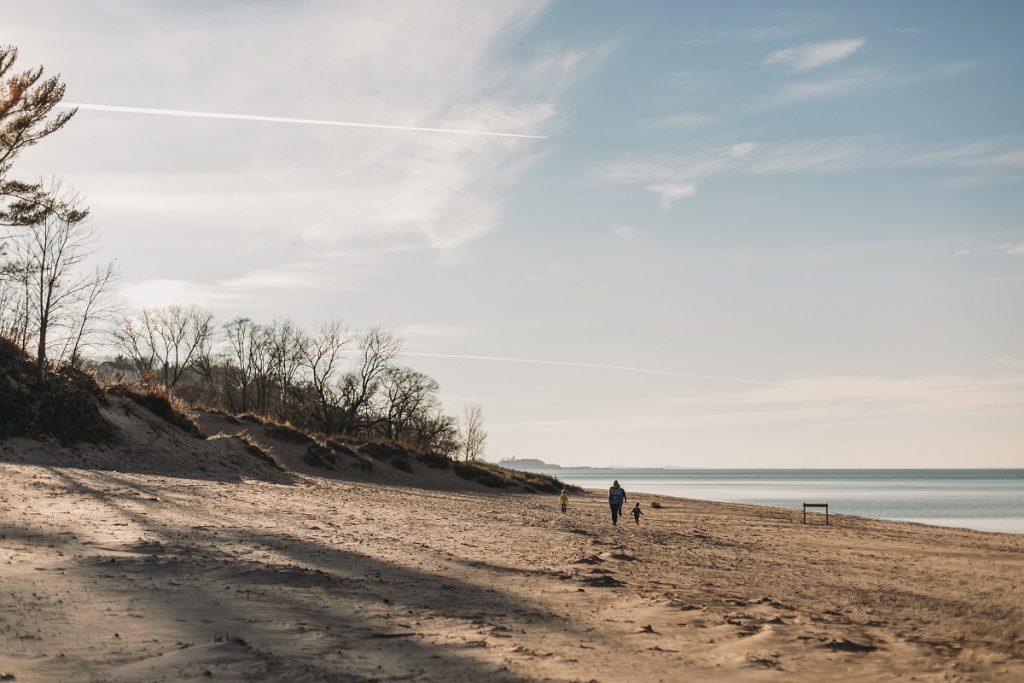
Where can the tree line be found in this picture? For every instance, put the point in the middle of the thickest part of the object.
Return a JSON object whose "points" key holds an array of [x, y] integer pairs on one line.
{"points": [[327, 379], [58, 309]]}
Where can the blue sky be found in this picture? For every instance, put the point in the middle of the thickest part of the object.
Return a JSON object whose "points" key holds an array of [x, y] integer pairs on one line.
{"points": [[805, 216]]}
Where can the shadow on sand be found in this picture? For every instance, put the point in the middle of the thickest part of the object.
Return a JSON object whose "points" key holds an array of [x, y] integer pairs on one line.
{"points": [[280, 606]]}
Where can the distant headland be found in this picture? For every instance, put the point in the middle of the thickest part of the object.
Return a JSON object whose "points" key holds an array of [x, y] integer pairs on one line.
{"points": [[528, 464]]}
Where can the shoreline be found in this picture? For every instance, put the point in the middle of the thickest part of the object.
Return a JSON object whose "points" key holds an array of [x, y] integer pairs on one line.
{"points": [[128, 577], [988, 499], [1019, 521]]}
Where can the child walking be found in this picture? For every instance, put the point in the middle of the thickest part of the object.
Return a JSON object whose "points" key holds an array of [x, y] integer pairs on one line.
{"points": [[637, 513], [563, 500]]}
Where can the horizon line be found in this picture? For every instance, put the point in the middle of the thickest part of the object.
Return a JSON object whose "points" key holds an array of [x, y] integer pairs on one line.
{"points": [[281, 119]]}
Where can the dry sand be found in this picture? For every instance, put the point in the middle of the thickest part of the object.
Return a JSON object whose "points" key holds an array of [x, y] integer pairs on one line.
{"points": [[107, 576]]}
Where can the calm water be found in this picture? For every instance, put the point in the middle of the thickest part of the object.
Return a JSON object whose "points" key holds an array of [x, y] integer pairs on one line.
{"points": [[988, 500]]}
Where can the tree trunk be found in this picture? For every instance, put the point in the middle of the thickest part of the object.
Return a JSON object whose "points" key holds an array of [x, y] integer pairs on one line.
{"points": [[41, 352]]}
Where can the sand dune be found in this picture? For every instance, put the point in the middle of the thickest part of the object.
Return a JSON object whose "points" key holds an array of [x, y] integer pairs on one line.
{"points": [[136, 577]]}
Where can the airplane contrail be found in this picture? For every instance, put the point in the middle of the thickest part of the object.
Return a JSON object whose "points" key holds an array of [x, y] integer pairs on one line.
{"points": [[596, 366], [281, 119]]}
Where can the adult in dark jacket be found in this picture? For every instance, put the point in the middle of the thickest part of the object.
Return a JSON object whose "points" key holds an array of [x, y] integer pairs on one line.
{"points": [[616, 497]]}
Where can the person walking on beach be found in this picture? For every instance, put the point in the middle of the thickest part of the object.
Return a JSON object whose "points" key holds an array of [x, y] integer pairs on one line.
{"points": [[616, 497], [637, 513], [563, 500]]}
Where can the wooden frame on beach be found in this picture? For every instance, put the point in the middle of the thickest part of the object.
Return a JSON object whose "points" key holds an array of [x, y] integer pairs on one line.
{"points": [[816, 505]]}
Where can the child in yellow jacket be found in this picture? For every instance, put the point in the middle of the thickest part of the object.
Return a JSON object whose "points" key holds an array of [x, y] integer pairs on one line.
{"points": [[563, 500]]}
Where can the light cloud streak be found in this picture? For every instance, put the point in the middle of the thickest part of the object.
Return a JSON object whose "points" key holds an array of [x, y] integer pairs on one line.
{"points": [[843, 83], [751, 34], [675, 176], [814, 402], [281, 119], [670, 193], [815, 55], [1014, 249], [685, 120], [849, 82], [589, 366]]}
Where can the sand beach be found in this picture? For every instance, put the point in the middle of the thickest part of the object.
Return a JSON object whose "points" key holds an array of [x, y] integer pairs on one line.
{"points": [[110, 576]]}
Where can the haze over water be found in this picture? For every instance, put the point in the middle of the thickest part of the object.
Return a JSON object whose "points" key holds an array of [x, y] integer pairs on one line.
{"points": [[982, 499]]}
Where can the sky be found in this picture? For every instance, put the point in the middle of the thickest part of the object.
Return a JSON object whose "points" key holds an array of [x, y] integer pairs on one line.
{"points": [[710, 234]]}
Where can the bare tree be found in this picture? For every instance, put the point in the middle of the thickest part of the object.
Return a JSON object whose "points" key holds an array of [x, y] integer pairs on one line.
{"points": [[136, 335], [165, 342], [438, 433], [261, 362], [95, 308], [377, 348], [319, 357], [249, 357], [62, 296], [472, 435], [409, 397], [26, 104], [286, 344], [239, 356]]}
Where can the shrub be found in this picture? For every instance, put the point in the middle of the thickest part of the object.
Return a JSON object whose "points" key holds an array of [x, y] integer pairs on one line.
{"points": [[362, 464], [157, 401], [478, 472], [267, 456], [82, 380], [318, 456], [15, 410], [494, 476], [222, 415], [542, 483], [382, 451], [401, 464], [285, 432], [65, 404], [435, 460], [71, 413], [340, 447]]}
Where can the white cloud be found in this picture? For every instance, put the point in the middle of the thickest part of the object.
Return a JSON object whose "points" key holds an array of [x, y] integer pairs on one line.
{"points": [[828, 155], [175, 186], [675, 176], [685, 120], [815, 55], [671, 193], [625, 233], [1014, 249], [841, 84], [851, 81], [280, 284], [166, 292], [742, 150]]}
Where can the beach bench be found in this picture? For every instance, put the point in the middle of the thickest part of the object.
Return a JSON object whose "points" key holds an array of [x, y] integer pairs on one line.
{"points": [[816, 505]]}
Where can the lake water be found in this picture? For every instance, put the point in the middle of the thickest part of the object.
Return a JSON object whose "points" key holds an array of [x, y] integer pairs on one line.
{"points": [[987, 500]]}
